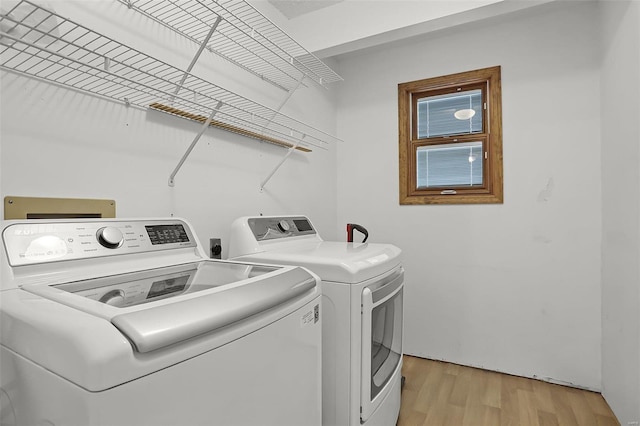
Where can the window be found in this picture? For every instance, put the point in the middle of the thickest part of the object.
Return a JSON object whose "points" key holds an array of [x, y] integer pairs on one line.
{"points": [[450, 143]]}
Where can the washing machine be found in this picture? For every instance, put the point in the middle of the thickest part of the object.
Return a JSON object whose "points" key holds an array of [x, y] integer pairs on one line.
{"points": [[362, 287], [127, 322]]}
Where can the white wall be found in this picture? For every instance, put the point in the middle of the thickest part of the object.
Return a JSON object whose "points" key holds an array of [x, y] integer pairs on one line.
{"points": [[512, 287], [621, 208], [61, 143]]}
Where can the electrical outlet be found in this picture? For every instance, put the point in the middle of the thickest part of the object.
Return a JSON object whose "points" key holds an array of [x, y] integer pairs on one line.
{"points": [[215, 248]]}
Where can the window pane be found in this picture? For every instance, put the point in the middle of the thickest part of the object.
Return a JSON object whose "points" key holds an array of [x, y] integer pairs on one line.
{"points": [[456, 164], [450, 114]]}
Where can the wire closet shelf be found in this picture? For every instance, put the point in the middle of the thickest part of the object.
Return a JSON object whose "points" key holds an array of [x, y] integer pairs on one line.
{"points": [[244, 37], [39, 43]]}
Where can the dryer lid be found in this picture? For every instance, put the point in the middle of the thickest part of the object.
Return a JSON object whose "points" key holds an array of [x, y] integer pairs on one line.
{"points": [[334, 261]]}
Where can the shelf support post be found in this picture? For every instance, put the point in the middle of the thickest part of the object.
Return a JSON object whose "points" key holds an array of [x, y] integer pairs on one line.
{"points": [[275, 169], [203, 45], [282, 104], [193, 144], [290, 151]]}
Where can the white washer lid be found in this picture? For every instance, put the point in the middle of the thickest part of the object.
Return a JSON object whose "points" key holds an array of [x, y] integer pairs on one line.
{"points": [[334, 261]]}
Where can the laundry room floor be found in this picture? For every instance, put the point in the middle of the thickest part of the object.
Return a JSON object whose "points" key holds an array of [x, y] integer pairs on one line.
{"points": [[437, 393]]}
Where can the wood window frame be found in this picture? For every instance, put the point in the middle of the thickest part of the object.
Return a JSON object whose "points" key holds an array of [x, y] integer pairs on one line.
{"points": [[491, 191]]}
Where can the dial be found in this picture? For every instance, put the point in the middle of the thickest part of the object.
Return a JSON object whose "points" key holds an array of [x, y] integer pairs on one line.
{"points": [[113, 297], [110, 237], [283, 226]]}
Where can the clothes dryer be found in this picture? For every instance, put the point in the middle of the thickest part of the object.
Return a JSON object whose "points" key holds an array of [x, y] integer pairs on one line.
{"points": [[362, 290], [127, 322]]}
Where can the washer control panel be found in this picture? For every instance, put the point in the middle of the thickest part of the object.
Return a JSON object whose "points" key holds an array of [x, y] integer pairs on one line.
{"points": [[33, 242], [270, 228]]}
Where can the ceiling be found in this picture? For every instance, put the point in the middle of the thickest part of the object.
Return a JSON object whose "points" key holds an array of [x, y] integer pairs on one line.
{"points": [[294, 8], [330, 28]]}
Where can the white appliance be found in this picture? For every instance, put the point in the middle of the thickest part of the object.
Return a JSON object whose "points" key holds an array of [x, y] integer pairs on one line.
{"points": [[127, 322], [362, 287]]}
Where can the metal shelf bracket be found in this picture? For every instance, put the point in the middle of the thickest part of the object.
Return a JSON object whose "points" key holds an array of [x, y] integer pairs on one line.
{"points": [[275, 169], [193, 144], [213, 112], [290, 151], [197, 56]]}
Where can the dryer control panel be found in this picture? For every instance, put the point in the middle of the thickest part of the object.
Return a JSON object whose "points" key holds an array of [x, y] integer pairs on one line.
{"points": [[269, 228], [34, 242]]}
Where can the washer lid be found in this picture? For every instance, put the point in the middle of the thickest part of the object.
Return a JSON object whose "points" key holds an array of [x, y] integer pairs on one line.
{"points": [[164, 306], [151, 329], [98, 346], [341, 262]]}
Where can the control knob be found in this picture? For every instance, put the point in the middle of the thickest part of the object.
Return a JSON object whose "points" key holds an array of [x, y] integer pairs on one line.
{"points": [[110, 237], [113, 297], [283, 226]]}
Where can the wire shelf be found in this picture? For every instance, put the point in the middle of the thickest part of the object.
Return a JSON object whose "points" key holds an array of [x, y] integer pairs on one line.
{"points": [[244, 37], [40, 43]]}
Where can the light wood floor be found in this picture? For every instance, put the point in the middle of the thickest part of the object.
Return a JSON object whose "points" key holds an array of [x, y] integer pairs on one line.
{"points": [[438, 394]]}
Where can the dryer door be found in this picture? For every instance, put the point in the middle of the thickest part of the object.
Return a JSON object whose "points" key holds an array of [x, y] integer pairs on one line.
{"points": [[381, 340]]}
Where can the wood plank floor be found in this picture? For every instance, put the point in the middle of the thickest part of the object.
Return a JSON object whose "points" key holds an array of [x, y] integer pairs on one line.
{"points": [[439, 394]]}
